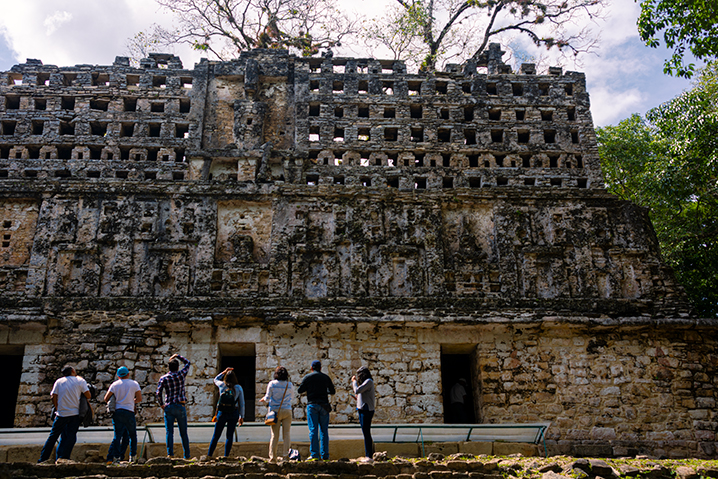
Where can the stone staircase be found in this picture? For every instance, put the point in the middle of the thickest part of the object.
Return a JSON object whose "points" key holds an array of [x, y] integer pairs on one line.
{"points": [[435, 466]]}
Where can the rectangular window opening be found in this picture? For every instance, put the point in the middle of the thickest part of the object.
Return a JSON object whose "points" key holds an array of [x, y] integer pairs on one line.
{"points": [[446, 160], [549, 136], [571, 113], [98, 128], [67, 128], [129, 104], [444, 135], [442, 87], [339, 112], [497, 136], [363, 111], [414, 88], [40, 104], [389, 112], [184, 105], [157, 107], [37, 127], [363, 134], [181, 130], [363, 87], [524, 136], [67, 103], [154, 130], [469, 137], [517, 89], [159, 81], [12, 102], [391, 134], [314, 133], [97, 104], [546, 115], [468, 113], [416, 111], [417, 134], [127, 129], [100, 79]]}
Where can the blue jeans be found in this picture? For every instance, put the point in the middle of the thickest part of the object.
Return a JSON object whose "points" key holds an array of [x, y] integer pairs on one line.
{"points": [[230, 420], [365, 417], [124, 423], [124, 443], [318, 422], [66, 429], [176, 412]]}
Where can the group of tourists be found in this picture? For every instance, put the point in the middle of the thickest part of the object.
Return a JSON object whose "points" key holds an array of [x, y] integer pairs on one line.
{"points": [[71, 393]]}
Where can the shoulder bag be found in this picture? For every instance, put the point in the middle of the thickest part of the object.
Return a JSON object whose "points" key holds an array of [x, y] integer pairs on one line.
{"points": [[271, 418]]}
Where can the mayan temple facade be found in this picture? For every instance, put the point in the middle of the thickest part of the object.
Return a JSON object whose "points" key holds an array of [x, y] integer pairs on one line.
{"points": [[273, 210]]}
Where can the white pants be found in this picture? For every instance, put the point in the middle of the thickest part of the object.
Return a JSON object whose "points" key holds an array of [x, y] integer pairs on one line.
{"points": [[284, 419]]}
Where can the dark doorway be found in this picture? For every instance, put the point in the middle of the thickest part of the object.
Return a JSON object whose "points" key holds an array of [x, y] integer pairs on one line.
{"points": [[454, 368], [242, 359], [12, 364]]}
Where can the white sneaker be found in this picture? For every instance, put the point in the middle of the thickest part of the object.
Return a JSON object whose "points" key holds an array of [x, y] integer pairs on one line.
{"points": [[133, 459]]}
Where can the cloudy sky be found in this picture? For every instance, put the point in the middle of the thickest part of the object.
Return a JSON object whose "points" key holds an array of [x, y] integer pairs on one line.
{"points": [[623, 76]]}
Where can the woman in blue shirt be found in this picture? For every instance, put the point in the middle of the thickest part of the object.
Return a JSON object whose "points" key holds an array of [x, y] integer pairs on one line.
{"points": [[230, 409], [280, 393], [363, 387]]}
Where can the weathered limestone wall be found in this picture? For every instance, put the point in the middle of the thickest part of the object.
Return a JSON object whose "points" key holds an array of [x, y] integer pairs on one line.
{"points": [[607, 389], [287, 209]]}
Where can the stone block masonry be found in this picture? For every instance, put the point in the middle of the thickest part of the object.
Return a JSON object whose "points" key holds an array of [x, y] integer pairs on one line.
{"points": [[272, 210]]}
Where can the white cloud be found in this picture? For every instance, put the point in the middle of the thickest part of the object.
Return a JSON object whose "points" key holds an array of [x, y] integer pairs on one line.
{"points": [[623, 76], [609, 106], [54, 21]]}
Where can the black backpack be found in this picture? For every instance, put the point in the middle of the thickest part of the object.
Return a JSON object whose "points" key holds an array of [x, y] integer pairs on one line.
{"points": [[227, 400]]}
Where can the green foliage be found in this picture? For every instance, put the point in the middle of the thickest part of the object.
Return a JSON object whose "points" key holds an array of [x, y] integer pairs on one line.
{"points": [[668, 162], [687, 25]]}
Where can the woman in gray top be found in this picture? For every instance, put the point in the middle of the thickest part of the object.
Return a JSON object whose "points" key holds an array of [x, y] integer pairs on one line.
{"points": [[363, 387]]}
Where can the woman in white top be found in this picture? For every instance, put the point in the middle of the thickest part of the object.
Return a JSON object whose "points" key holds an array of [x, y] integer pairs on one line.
{"points": [[280, 393], [363, 387]]}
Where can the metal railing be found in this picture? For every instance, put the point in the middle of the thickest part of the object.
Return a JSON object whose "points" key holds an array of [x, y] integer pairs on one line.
{"points": [[153, 433]]}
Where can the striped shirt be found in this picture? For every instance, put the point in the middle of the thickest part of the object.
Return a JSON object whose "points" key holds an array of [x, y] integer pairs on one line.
{"points": [[173, 384]]}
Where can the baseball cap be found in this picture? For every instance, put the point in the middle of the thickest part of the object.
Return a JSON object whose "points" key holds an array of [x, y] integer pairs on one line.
{"points": [[316, 365], [122, 371]]}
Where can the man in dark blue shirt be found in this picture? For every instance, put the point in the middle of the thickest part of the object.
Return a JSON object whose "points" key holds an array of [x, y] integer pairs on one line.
{"points": [[318, 386]]}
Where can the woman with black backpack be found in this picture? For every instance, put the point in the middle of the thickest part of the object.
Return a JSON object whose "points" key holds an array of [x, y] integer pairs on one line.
{"points": [[230, 409]]}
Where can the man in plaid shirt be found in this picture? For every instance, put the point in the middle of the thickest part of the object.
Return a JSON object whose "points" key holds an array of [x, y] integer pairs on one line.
{"points": [[174, 404]]}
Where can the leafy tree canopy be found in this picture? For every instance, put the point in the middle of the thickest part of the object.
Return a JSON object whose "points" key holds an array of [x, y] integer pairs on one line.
{"points": [[668, 162], [687, 25]]}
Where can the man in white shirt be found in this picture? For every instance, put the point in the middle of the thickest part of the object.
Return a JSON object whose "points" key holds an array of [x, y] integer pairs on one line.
{"points": [[65, 394], [127, 393]]}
